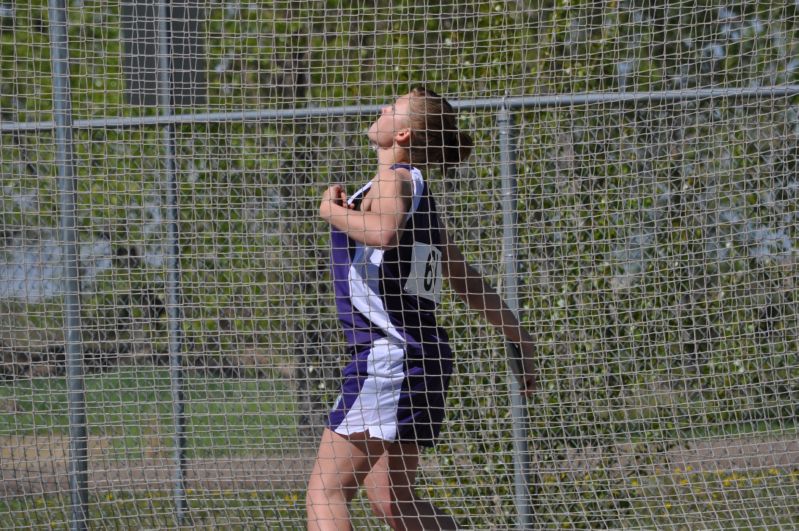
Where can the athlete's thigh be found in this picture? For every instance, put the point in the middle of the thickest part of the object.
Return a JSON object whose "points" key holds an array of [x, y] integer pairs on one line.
{"points": [[393, 476], [343, 462]]}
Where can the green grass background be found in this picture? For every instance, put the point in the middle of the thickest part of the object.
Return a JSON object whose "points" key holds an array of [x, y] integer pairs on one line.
{"points": [[132, 407]]}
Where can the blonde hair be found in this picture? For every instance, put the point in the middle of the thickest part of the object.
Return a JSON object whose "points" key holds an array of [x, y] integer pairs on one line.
{"points": [[435, 138]]}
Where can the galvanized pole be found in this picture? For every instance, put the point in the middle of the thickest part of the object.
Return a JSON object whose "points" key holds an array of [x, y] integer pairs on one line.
{"points": [[65, 161], [549, 101], [521, 425], [174, 316]]}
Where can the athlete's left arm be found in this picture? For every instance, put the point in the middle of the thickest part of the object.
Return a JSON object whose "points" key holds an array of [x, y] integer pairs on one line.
{"points": [[479, 295]]}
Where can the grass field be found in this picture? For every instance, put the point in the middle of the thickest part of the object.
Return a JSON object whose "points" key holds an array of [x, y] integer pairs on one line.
{"points": [[130, 409]]}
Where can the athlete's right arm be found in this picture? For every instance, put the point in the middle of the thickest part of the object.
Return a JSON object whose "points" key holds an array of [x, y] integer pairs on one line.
{"points": [[479, 295], [381, 225]]}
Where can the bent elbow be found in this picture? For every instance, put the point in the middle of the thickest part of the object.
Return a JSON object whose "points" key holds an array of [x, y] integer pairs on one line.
{"points": [[387, 240], [383, 239], [324, 211]]}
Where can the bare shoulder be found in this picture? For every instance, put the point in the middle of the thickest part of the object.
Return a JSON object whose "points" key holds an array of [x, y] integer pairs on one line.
{"points": [[401, 172], [397, 173], [388, 185]]}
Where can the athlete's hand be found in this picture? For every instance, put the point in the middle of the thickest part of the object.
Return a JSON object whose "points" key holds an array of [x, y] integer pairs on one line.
{"points": [[528, 377], [334, 195]]}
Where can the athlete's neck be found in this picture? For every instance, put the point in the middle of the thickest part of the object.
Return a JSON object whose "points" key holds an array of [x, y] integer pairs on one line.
{"points": [[387, 157]]}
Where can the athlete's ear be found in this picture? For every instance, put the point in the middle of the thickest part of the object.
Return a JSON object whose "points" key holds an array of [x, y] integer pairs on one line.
{"points": [[403, 137]]}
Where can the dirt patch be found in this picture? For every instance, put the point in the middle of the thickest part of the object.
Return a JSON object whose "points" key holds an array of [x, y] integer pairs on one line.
{"points": [[37, 465], [739, 454], [730, 454]]}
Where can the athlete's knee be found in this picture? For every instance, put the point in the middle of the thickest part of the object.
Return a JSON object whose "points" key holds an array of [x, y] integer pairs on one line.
{"points": [[318, 497], [318, 493], [379, 501], [327, 490], [315, 498], [392, 505], [325, 508]]}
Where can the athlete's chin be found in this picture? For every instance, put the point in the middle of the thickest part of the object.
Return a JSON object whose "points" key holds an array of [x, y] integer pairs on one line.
{"points": [[376, 146], [371, 134], [378, 138]]}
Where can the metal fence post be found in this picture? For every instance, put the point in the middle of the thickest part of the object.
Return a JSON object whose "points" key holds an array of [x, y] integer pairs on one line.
{"points": [[65, 161], [174, 316], [521, 425]]}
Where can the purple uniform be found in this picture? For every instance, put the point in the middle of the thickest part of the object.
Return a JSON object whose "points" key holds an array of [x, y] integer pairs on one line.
{"points": [[395, 385]]}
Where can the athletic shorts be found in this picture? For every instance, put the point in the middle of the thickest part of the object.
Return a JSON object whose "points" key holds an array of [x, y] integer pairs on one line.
{"points": [[394, 394]]}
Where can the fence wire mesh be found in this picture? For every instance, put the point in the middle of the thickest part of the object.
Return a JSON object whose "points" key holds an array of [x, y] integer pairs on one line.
{"points": [[656, 257]]}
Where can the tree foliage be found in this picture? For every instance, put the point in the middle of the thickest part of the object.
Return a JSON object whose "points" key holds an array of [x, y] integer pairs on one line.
{"points": [[657, 253]]}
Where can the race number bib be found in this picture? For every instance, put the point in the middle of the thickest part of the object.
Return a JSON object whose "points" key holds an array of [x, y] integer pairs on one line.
{"points": [[424, 279]]}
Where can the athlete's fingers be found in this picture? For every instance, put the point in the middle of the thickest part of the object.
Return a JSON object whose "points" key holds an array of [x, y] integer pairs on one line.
{"points": [[343, 197], [333, 193], [329, 192]]}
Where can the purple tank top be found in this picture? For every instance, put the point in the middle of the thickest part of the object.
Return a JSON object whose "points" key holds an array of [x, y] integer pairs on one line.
{"points": [[392, 293]]}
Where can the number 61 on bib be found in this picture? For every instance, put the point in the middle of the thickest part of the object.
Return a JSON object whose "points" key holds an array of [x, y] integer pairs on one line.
{"points": [[424, 279]]}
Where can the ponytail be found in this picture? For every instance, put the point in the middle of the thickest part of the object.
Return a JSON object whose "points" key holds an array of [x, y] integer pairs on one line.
{"points": [[435, 138], [457, 148]]}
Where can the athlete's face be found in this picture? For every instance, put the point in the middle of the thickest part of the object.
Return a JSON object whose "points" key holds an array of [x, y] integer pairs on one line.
{"points": [[394, 121]]}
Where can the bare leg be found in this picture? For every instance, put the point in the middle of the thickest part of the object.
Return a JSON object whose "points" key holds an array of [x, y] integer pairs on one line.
{"points": [[341, 466], [390, 488]]}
